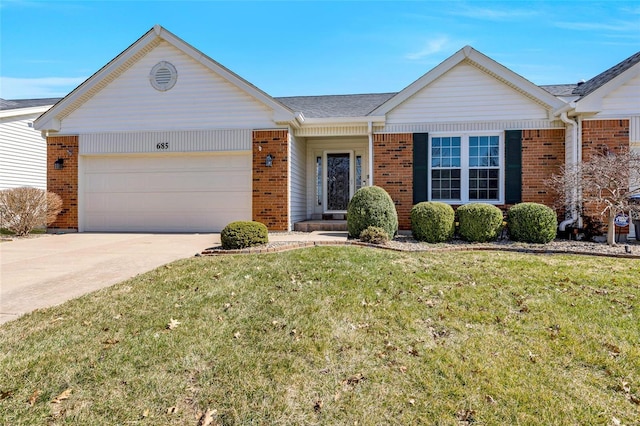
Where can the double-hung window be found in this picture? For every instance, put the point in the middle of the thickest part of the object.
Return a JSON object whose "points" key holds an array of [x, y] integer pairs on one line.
{"points": [[466, 168]]}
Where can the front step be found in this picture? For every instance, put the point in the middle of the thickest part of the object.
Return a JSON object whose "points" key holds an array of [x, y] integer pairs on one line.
{"points": [[320, 225]]}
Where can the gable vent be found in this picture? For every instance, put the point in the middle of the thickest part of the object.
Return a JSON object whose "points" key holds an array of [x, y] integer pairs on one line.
{"points": [[163, 76]]}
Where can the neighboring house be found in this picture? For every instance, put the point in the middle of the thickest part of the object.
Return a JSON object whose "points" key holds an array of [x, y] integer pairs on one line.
{"points": [[23, 150], [163, 138]]}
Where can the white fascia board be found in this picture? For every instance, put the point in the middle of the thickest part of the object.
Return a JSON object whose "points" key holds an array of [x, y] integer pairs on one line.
{"points": [[420, 83], [158, 32], [566, 108], [515, 79], [593, 101], [467, 52], [45, 120], [17, 112], [230, 76]]}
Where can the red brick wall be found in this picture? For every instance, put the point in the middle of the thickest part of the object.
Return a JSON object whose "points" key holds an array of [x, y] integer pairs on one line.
{"points": [[64, 182], [542, 155], [393, 171], [270, 184], [600, 135]]}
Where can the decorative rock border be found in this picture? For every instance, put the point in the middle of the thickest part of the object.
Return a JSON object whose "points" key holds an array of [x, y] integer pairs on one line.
{"points": [[294, 245]]}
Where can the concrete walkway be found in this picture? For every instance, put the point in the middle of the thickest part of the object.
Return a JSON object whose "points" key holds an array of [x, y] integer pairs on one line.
{"points": [[51, 269]]}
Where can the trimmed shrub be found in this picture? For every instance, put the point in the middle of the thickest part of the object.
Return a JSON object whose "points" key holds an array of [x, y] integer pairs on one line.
{"points": [[23, 209], [374, 235], [532, 223], [432, 221], [371, 206], [242, 234], [479, 222]]}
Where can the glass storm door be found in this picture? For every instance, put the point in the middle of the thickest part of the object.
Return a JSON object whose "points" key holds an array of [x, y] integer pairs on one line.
{"points": [[338, 182]]}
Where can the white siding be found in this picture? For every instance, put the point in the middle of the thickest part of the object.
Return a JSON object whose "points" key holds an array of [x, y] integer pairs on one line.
{"points": [[183, 141], [23, 153], [475, 126], [298, 180], [200, 99], [625, 100], [465, 94], [634, 129]]}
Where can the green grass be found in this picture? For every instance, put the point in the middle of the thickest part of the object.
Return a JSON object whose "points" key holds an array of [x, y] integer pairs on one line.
{"points": [[337, 336]]}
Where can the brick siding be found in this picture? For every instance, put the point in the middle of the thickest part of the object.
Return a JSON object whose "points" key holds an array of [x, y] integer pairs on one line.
{"points": [[64, 182], [543, 153], [598, 136], [270, 184], [393, 171]]}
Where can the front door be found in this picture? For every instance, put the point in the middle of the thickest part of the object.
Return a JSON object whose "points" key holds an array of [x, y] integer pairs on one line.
{"points": [[338, 181]]}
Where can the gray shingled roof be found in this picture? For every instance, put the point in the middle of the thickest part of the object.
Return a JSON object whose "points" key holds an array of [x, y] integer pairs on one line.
{"points": [[560, 89], [26, 103], [604, 77], [336, 105]]}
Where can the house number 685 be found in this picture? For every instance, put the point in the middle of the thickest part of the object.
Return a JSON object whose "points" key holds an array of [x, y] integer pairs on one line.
{"points": [[162, 145]]}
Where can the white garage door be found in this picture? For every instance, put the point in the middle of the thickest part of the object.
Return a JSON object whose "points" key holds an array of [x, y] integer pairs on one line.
{"points": [[179, 193]]}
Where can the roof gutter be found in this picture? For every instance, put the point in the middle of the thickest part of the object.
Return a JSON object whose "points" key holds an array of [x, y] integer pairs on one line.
{"points": [[573, 157]]}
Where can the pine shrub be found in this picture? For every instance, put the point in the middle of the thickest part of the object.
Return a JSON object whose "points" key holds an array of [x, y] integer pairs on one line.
{"points": [[532, 223], [479, 222], [432, 221], [371, 206], [243, 234]]}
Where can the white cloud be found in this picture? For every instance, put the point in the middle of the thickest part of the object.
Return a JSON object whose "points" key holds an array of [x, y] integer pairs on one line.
{"points": [[431, 47], [34, 88]]}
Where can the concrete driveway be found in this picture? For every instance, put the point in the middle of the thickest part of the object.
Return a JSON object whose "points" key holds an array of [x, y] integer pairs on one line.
{"points": [[48, 270]]}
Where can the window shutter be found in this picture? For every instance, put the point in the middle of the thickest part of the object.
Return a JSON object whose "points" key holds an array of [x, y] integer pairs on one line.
{"points": [[420, 167], [513, 163]]}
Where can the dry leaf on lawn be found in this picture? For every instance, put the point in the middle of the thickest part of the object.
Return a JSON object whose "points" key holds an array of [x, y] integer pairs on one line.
{"points": [[207, 417], [33, 398], [173, 324], [64, 395]]}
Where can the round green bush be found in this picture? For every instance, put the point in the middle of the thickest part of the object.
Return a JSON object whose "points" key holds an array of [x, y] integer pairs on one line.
{"points": [[371, 206], [532, 223], [479, 222], [242, 234], [374, 235], [432, 221]]}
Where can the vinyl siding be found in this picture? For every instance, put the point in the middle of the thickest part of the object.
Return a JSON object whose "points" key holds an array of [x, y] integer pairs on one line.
{"points": [[23, 154], [297, 180], [624, 100], [181, 141], [200, 99], [466, 94]]}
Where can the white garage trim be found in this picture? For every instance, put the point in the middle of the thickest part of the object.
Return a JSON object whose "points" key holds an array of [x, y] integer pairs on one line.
{"points": [[164, 192], [162, 142]]}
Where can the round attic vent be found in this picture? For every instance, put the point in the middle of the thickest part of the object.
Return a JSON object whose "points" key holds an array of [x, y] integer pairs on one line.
{"points": [[163, 76]]}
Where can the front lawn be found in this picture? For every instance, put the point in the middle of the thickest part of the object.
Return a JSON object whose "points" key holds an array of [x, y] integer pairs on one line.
{"points": [[332, 335]]}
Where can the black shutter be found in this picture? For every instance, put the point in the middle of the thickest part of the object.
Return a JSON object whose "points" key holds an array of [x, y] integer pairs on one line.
{"points": [[420, 167], [513, 163]]}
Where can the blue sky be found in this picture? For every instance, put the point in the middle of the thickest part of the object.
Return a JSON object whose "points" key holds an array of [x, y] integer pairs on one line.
{"points": [[316, 48]]}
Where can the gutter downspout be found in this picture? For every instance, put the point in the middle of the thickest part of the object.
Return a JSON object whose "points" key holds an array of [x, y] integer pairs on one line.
{"points": [[370, 134], [575, 157]]}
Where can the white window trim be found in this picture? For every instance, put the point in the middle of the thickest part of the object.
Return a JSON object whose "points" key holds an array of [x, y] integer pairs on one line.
{"points": [[464, 167]]}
